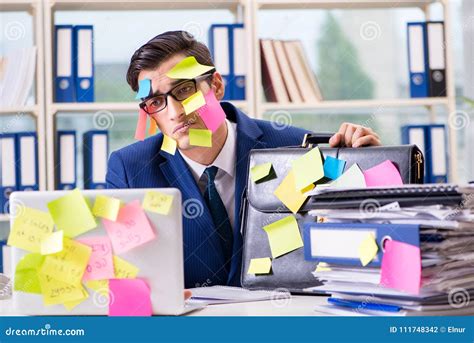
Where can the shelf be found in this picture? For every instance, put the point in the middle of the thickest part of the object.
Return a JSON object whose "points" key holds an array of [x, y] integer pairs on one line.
{"points": [[4, 217], [17, 5], [340, 104], [341, 4], [21, 109]]}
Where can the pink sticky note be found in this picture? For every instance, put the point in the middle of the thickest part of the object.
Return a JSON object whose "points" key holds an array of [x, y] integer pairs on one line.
{"points": [[130, 230], [129, 297], [383, 174], [211, 113], [401, 267], [101, 263], [141, 125]]}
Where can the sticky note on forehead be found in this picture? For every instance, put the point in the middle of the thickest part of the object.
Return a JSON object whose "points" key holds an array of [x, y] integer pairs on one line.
{"points": [[144, 89], [188, 68]]}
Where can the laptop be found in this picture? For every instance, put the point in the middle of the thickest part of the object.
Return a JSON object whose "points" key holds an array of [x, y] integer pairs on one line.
{"points": [[160, 261]]}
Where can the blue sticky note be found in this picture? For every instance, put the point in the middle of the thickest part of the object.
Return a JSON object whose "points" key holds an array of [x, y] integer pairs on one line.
{"points": [[144, 87], [333, 167]]}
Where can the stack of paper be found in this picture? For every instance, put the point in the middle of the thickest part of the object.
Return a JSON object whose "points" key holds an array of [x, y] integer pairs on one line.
{"points": [[226, 295]]}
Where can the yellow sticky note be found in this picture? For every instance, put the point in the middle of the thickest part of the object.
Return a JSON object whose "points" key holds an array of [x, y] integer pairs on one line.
{"points": [[26, 273], [322, 267], [260, 265], [106, 207], [69, 264], [124, 269], [188, 68], [59, 292], [157, 202], [200, 137], [72, 214], [30, 227], [194, 102], [71, 304], [52, 244], [289, 195], [308, 168], [100, 286], [260, 171], [168, 145], [368, 249], [284, 236]]}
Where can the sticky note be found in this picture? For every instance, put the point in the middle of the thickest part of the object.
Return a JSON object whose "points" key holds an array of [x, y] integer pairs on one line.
{"points": [[401, 267], [70, 305], [308, 168], [140, 130], [322, 267], [352, 177], [383, 174], [368, 249], [59, 292], [153, 127], [26, 273], [284, 236], [192, 103], [157, 202], [289, 195], [69, 264], [129, 297], [53, 243], [144, 88], [106, 207], [100, 286], [211, 113], [72, 214], [124, 269], [200, 137], [333, 167], [30, 227], [260, 265], [101, 264], [260, 171], [131, 229], [169, 145], [188, 68]]}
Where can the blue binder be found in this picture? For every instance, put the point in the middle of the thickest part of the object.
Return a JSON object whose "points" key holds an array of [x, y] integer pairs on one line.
{"points": [[237, 62], [84, 62], [64, 86], [220, 38], [418, 60], [27, 157], [66, 160], [2, 244], [95, 153], [338, 243], [8, 157]]}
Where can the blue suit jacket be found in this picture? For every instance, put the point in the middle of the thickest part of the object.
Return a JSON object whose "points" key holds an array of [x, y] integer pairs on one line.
{"points": [[144, 165]]}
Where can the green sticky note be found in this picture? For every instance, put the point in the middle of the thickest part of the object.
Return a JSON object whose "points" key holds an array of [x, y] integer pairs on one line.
{"points": [[284, 236], [26, 273], [188, 68], [261, 171], [71, 213], [200, 137], [308, 168], [106, 207]]}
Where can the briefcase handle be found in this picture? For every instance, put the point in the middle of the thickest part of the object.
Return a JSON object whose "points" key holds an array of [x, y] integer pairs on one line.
{"points": [[311, 139]]}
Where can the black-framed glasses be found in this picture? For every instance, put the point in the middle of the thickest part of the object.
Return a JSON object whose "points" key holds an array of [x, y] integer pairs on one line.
{"points": [[180, 92]]}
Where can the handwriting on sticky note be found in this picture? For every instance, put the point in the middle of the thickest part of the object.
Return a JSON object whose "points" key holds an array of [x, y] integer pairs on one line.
{"points": [[144, 88], [100, 265], [200, 137], [260, 265], [72, 214], [367, 249], [124, 269], [401, 267], [157, 202], [106, 207], [260, 171], [30, 227], [58, 292], [211, 113], [333, 167], [53, 243], [352, 177], [383, 174], [194, 102], [169, 145], [131, 298], [289, 195], [130, 230], [26, 273], [284, 236], [188, 68], [308, 168]]}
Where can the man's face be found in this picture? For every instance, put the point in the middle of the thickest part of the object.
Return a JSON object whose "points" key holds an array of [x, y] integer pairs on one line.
{"points": [[173, 121]]}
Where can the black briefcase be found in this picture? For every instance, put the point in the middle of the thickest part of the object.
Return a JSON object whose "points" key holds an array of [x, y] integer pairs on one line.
{"points": [[261, 207]]}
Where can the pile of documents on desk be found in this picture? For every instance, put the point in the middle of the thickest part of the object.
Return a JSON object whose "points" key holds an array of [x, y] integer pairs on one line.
{"points": [[425, 267]]}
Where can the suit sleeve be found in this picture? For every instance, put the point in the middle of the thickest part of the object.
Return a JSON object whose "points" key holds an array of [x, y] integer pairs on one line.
{"points": [[116, 176]]}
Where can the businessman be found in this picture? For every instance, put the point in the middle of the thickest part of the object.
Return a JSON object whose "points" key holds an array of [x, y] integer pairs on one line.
{"points": [[211, 180]]}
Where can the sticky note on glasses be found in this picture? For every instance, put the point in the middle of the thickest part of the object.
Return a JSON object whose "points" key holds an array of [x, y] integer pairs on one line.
{"points": [[333, 167], [260, 265], [188, 68], [194, 102], [289, 195], [260, 172], [144, 88], [212, 113], [168, 145], [367, 249], [157, 202], [200, 137], [106, 207], [284, 236], [308, 168]]}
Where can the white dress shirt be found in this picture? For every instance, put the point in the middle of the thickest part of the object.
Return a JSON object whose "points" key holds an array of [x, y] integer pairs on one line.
{"points": [[225, 177]]}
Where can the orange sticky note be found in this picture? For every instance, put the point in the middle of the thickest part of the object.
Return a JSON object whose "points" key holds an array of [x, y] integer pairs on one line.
{"points": [[289, 195]]}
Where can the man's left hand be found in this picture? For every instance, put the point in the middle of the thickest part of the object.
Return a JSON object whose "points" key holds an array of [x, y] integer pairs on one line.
{"points": [[355, 136]]}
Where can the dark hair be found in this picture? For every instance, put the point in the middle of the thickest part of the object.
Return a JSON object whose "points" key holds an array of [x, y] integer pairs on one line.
{"points": [[163, 47]]}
